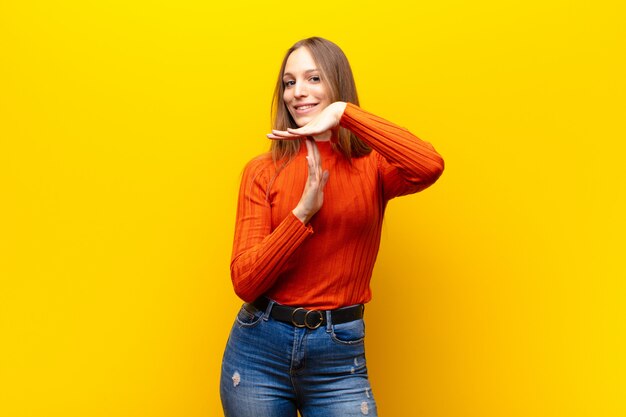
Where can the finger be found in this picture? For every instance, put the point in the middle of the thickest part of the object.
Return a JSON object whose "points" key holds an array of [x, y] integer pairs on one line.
{"points": [[314, 153], [312, 181], [302, 131], [274, 137], [314, 127], [325, 176], [284, 134], [310, 158], [318, 157], [297, 131]]}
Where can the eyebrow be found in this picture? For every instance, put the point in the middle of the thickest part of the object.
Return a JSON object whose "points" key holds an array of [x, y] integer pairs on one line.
{"points": [[306, 72]]}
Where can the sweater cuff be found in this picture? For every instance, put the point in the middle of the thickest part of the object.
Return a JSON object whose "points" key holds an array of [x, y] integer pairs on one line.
{"points": [[295, 226], [348, 116]]}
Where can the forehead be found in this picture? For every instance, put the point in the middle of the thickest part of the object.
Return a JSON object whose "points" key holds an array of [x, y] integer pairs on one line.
{"points": [[300, 60]]}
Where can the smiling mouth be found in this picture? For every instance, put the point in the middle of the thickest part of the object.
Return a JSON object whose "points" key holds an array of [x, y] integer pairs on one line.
{"points": [[304, 107]]}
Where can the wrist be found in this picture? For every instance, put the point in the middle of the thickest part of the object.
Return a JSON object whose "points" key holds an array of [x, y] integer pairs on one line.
{"points": [[341, 107], [301, 215]]}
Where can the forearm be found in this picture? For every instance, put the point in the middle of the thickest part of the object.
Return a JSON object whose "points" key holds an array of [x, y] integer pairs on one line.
{"points": [[417, 161], [254, 269]]}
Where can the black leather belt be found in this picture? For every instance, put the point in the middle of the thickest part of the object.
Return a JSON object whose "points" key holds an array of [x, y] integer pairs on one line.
{"points": [[312, 319]]}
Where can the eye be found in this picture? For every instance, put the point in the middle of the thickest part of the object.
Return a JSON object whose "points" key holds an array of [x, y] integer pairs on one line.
{"points": [[289, 83], [315, 79]]}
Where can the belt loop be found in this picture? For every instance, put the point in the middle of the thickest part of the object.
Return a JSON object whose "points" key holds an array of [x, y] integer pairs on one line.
{"points": [[329, 322], [268, 310]]}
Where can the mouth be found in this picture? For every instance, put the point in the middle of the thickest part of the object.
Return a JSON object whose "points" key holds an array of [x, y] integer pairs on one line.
{"points": [[304, 108]]}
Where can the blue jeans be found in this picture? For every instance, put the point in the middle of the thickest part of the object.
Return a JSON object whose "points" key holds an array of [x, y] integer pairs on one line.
{"points": [[272, 369]]}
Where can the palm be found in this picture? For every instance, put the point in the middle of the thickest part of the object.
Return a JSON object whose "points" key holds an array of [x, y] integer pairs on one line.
{"points": [[327, 120], [313, 194]]}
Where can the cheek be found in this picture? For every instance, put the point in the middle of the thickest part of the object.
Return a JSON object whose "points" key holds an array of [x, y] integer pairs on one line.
{"points": [[287, 97], [322, 93], [323, 97]]}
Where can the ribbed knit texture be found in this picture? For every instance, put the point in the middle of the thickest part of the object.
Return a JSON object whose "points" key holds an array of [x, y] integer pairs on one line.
{"points": [[327, 263]]}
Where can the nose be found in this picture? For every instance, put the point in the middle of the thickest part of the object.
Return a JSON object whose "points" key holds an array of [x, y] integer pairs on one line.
{"points": [[300, 90]]}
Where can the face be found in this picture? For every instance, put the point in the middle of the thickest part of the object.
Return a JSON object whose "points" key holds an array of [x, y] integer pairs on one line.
{"points": [[305, 94]]}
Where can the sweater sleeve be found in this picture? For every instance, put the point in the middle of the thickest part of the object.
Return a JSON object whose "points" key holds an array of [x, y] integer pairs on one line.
{"points": [[260, 253], [407, 164]]}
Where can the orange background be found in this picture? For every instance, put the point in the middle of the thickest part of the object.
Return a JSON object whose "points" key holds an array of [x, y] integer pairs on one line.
{"points": [[124, 127]]}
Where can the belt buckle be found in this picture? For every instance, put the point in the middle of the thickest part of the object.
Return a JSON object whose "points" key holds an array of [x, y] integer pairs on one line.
{"points": [[293, 317], [305, 322], [306, 316]]}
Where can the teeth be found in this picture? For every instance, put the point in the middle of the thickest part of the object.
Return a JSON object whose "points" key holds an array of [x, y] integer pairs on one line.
{"points": [[305, 107]]}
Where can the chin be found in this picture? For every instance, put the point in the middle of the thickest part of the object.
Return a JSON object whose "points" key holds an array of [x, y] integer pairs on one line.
{"points": [[301, 123], [303, 120]]}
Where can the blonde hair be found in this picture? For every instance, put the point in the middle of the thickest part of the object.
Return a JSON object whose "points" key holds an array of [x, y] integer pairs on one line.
{"points": [[337, 77]]}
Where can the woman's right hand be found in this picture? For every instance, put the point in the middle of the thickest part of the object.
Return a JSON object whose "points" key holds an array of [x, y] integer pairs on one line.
{"points": [[313, 194]]}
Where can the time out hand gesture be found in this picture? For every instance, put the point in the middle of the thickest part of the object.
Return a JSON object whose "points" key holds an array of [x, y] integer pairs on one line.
{"points": [[313, 194], [321, 126]]}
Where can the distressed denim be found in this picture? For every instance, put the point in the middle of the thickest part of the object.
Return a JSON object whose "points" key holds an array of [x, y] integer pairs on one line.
{"points": [[272, 369]]}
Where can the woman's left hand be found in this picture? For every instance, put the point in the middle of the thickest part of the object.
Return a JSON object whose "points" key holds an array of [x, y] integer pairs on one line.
{"points": [[326, 121]]}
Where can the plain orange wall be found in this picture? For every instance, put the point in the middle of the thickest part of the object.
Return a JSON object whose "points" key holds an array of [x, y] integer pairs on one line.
{"points": [[124, 127]]}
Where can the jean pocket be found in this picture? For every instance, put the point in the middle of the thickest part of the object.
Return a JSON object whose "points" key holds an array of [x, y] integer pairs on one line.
{"points": [[350, 333], [248, 315]]}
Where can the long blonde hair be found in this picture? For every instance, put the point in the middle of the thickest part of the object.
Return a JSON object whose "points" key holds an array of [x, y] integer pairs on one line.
{"points": [[338, 78]]}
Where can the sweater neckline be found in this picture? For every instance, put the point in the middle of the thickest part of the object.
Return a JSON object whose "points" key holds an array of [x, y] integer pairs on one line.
{"points": [[325, 148]]}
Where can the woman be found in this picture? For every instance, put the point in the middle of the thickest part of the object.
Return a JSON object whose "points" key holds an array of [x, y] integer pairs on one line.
{"points": [[308, 228]]}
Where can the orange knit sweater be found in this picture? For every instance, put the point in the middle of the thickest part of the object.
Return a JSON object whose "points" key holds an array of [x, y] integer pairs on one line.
{"points": [[328, 262]]}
